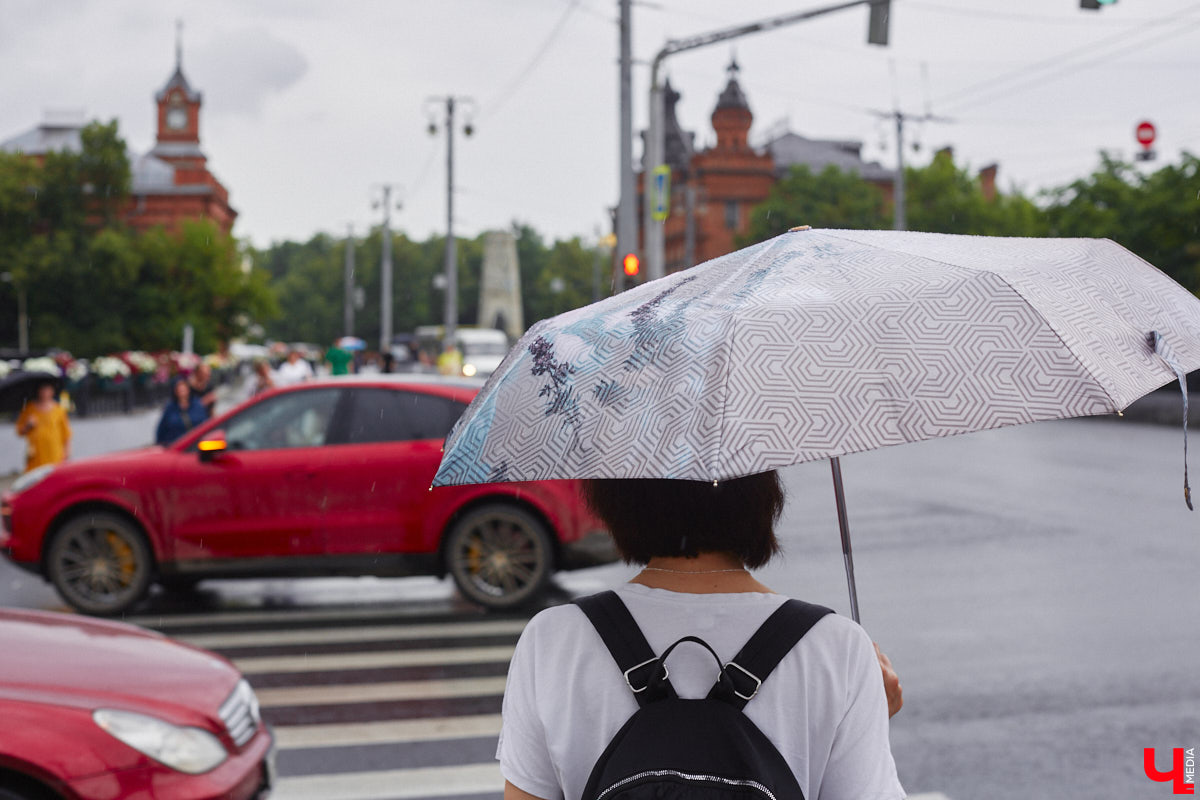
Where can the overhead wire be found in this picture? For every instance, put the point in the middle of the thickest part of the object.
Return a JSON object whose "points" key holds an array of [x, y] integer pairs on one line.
{"points": [[1056, 62], [507, 93], [1070, 68]]}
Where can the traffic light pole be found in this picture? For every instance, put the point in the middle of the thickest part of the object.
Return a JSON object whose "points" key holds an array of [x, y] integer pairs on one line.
{"points": [[653, 230], [626, 217]]}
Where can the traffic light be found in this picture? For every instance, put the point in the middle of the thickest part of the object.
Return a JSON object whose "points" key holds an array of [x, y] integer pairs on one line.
{"points": [[1096, 5], [877, 24], [631, 264]]}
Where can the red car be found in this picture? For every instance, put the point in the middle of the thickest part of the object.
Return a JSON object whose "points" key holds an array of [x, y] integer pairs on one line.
{"points": [[96, 710], [324, 478]]}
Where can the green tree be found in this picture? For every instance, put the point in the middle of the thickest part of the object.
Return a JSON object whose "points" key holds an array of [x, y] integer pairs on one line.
{"points": [[943, 197], [1153, 215], [828, 199]]}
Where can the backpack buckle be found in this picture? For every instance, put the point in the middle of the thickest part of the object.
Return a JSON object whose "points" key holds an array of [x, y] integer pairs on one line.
{"points": [[738, 682], [649, 678]]}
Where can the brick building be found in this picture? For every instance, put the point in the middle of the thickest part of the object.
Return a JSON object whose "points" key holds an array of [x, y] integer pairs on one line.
{"points": [[170, 183], [714, 190]]}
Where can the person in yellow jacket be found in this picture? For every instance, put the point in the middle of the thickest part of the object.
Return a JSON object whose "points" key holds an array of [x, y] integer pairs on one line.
{"points": [[43, 423]]}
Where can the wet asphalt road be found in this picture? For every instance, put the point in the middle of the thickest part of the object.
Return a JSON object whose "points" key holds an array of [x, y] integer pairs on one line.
{"points": [[1035, 587]]}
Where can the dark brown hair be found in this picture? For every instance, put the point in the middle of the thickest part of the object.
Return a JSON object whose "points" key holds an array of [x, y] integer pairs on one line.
{"points": [[652, 518]]}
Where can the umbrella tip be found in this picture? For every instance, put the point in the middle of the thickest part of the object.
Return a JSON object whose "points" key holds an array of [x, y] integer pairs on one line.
{"points": [[800, 228]]}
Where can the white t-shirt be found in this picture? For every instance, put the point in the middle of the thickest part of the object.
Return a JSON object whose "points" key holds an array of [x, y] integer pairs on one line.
{"points": [[823, 707], [290, 373]]}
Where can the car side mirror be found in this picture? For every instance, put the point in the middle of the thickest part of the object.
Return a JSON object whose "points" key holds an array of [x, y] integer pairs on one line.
{"points": [[212, 445]]}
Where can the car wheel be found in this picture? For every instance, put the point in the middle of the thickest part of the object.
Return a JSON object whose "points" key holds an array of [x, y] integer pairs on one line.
{"points": [[100, 563], [499, 555]]}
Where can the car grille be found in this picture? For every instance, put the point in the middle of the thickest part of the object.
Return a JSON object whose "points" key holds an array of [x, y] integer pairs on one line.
{"points": [[240, 713]]}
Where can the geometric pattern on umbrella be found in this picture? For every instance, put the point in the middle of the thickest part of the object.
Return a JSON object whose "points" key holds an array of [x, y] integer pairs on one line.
{"points": [[822, 343]]}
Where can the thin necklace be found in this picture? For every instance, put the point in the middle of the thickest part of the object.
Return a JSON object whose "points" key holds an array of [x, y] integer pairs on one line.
{"points": [[692, 571]]}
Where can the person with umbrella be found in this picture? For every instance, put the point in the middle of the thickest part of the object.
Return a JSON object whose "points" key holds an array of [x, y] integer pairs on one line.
{"points": [[43, 423], [824, 707], [339, 358], [813, 345]]}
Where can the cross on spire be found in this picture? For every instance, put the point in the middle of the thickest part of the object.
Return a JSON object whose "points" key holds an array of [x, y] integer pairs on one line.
{"points": [[179, 44]]}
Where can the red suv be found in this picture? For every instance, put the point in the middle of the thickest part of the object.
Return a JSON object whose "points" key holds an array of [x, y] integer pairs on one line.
{"points": [[325, 478]]}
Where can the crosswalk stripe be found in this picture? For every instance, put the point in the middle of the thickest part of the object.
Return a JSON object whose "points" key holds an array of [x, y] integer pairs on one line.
{"points": [[343, 661], [294, 737], [379, 633], [280, 616], [380, 692], [398, 784]]}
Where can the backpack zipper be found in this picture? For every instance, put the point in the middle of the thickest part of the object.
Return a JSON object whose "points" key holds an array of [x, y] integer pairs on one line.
{"points": [[662, 773]]}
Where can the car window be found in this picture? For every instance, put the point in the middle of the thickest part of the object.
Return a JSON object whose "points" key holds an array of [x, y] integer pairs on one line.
{"points": [[295, 419], [388, 415]]}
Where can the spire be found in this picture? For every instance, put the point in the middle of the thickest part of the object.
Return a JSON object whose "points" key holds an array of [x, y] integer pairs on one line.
{"points": [[177, 80], [732, 97]]}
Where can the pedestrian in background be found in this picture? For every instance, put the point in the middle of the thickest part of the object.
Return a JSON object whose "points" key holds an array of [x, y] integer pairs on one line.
{"points": [[339, 360], [200, 384], [43, 423], [183, 412], [451, 360], [294, 370], [263, 379]]}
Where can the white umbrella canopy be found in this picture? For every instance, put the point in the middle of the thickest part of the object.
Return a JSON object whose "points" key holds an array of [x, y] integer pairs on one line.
{"points": [[819, 343]]}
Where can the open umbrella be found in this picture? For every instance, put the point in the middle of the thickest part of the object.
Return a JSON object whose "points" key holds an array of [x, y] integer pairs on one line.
{"points": [[18, 388], [351, 343], [820, 343]]}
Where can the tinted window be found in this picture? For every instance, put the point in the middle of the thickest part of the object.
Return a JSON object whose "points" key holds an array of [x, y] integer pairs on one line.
{"points": [[386, 415], [295, 419]]}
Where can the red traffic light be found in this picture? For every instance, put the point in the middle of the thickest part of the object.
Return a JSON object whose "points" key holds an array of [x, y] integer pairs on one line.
{"points": [[632, 264]]}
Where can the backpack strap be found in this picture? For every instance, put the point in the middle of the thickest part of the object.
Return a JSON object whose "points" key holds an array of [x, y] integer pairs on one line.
{"points": [[741, 678], [645, 674]]}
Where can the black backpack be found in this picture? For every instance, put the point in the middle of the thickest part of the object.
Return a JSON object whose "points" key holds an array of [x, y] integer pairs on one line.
{"points": [[703, 749]]}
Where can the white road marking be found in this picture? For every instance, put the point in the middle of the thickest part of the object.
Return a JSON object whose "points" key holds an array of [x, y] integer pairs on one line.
{"points": [[380, 692], [378, 633], [323, 662], [292, 737], [394, 784]]}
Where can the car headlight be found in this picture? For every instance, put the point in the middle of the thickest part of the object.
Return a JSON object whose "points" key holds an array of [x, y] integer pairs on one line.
{"points": [[469, 370], [30, 478], [186, 749]]}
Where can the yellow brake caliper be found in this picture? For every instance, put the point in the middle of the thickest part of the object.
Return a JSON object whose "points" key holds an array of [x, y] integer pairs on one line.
{"points": [[124, 554]]}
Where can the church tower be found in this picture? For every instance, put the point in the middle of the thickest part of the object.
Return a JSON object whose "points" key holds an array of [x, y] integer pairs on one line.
{"points": [[178, 104], [731, 119]]}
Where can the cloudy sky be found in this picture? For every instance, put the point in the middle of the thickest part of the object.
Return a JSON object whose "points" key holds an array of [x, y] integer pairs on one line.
{"points": [[309, 103]]}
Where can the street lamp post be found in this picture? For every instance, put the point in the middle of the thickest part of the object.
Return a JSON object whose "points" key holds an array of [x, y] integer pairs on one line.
{"points": [[653, 230], [385, 267], [451, 307]]}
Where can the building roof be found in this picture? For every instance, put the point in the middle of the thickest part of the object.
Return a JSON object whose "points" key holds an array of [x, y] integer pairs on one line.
{"points": [[791, 149], [45, 138], [732, 96], [178, 81]]}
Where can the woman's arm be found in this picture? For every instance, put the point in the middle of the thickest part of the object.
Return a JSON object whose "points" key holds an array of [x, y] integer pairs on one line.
{"points": [[513, 793]]}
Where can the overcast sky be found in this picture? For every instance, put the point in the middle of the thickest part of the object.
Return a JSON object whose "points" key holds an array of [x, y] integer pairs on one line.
{"points": [[307, 104]]}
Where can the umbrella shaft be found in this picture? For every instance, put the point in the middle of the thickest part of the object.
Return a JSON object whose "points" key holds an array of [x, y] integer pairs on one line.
{"points": [[839, 494]]}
